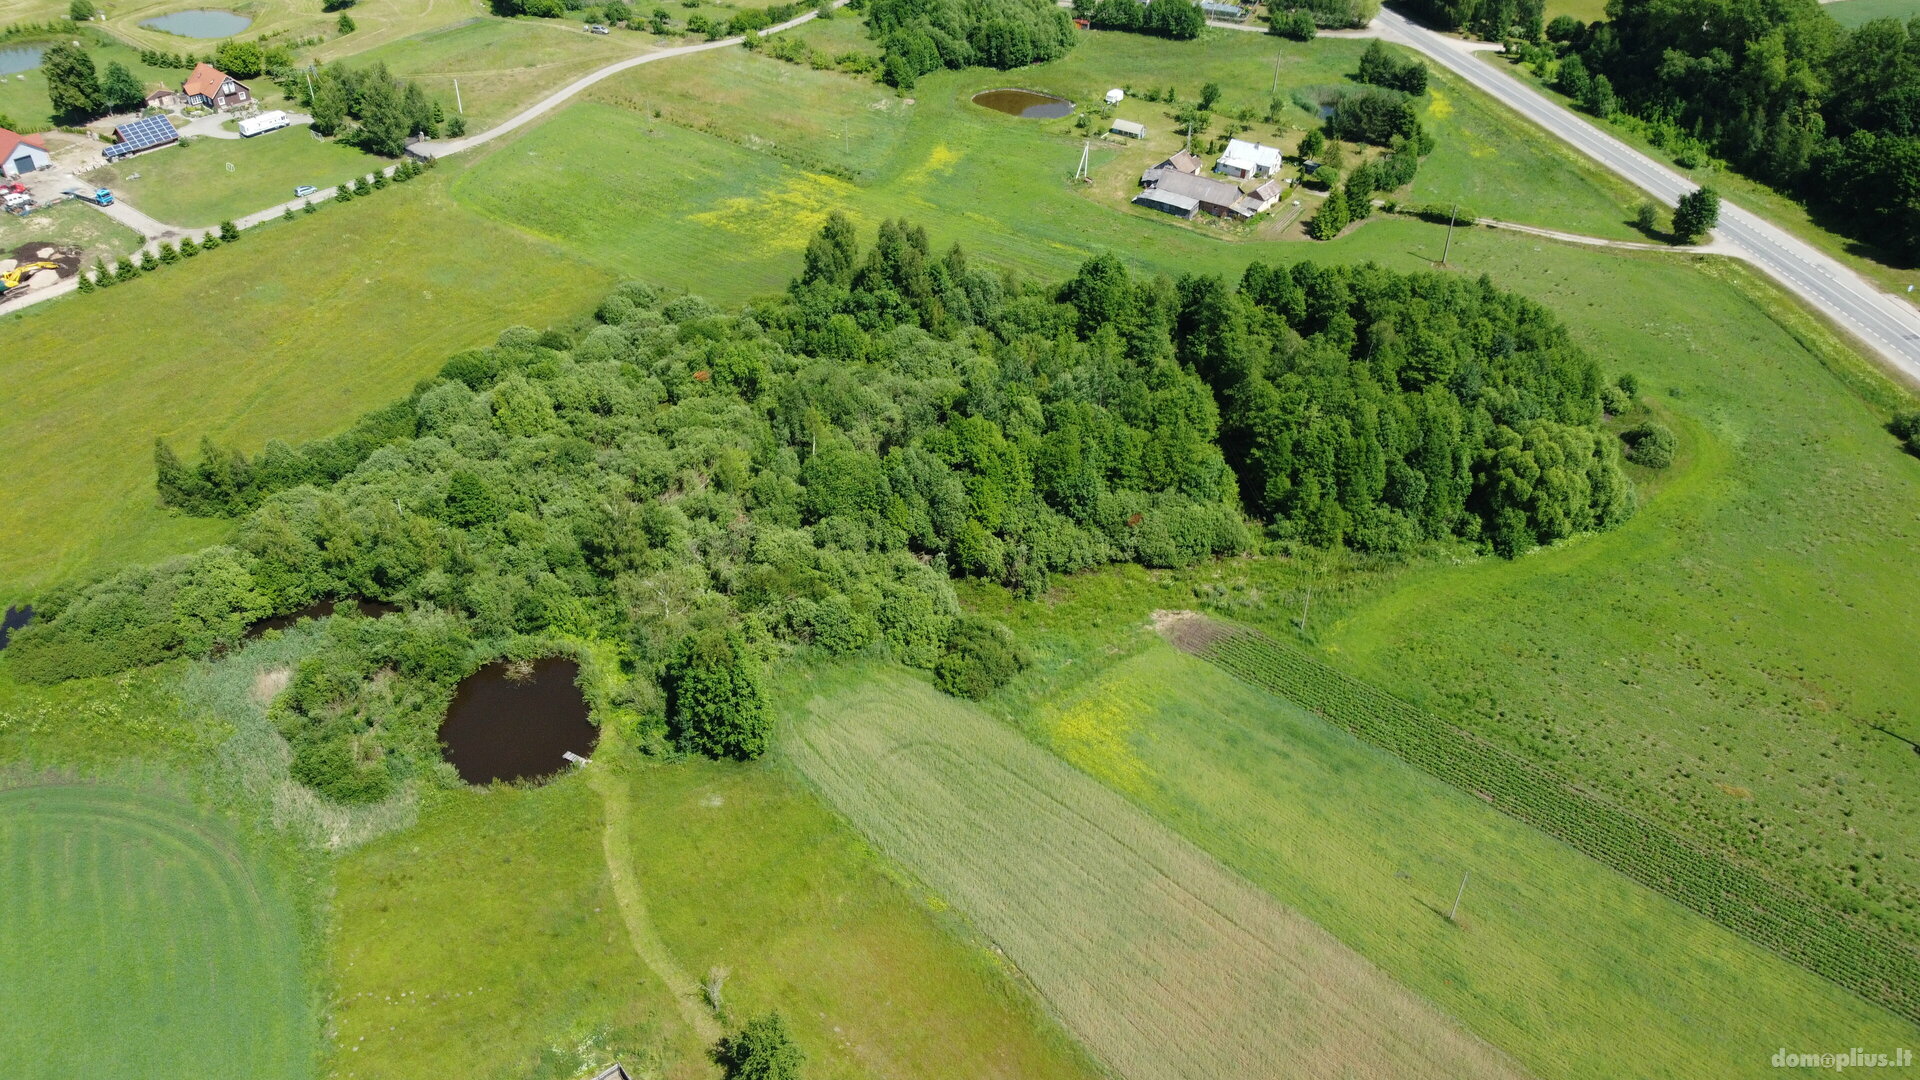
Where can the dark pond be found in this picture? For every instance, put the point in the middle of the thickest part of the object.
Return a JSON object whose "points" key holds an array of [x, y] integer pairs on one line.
{"points": [[199, 23], [500, 727], [20, 58], [319, 609], [1027, 103], [14, 620]]}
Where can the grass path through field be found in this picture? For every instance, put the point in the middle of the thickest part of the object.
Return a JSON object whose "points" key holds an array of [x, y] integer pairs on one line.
{"points": [[1165, 964], [617, 842]]}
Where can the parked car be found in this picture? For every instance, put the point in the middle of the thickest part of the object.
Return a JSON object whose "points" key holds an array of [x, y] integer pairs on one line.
{"points": [[596, 28], [304, 190]]}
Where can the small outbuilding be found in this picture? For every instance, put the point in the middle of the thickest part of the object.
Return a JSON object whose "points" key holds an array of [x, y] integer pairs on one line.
{"points": [[1259, 199], [1129, 128], [1167, 202], [1248, 159], [1223, 12], [22, 153], [1116, 95], [163, 98]]}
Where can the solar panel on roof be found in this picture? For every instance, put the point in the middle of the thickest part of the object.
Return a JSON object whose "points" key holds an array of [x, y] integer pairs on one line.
{"points": [[146, 132]]}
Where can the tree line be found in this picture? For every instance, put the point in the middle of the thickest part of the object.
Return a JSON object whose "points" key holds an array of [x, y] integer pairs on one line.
{"points": [[699, 491], [922, 36], [370, 107], [1778, 88]]}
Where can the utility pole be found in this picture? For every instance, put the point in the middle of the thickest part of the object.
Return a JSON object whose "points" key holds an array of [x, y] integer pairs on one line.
{"points": [[1456, 898], [1304, 608], [458, 107], [1081, 172], [1276, 76], [1448, 249], [309, 74]]}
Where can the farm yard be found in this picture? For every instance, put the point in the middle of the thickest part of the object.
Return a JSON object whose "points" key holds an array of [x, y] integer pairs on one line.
{"points": [[141, 936], [1668, 766]]}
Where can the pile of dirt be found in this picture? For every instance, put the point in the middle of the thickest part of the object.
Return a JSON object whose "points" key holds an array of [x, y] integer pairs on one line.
{"points": [[66, 258]]}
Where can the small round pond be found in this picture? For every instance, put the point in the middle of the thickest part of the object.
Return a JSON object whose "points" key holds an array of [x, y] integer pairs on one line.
{"points": [[199, 23], [517, 721], [1028, 103], [21, 58]]}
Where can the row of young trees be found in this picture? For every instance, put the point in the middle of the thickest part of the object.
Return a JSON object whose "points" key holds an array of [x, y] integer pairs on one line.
{"points": [[922, 36], [698, 491]]}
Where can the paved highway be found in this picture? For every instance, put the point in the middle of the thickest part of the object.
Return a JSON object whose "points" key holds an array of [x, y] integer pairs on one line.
{"points": [[1888, 325]]}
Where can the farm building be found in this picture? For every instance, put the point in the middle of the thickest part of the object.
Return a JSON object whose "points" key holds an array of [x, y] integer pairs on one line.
{"points": [[1167, 202], [22, 153], [1246, 159], [213, 88], [1116, 95], [1213, 196], [1129, 128], [1259, 199], [163, 98]]}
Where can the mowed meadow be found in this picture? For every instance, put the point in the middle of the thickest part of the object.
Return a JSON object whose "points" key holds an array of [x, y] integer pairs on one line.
{"points": [[1552, 955], [140, 937], [1160, 960], [494, 939]]}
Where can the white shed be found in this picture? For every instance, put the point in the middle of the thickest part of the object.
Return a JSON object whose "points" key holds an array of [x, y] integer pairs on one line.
{"points": [[1116, 95], [1129, 128], [22, 153]]}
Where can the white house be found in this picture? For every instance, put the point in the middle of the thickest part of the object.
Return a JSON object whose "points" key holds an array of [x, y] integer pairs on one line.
{"points": [[22, 153], [1245, 159]]}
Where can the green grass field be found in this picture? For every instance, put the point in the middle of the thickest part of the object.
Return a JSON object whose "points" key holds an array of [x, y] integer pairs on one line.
{"points": [[756, 876], [1856, 12], [1555, 955], [747, 156], [489, 940], [140, 940], [193, 186], [69, 224], [290, 333], [1160, 961]]}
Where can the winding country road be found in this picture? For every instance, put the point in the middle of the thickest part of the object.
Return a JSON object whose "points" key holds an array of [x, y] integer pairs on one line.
{"points": [[1888, 325]]}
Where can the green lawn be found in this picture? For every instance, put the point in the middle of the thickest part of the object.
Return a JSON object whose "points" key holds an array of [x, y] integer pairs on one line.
{"points": [[208, 180], [1555, 955], [1856, 12], [69, 224], [291, 333], [140, 939]]}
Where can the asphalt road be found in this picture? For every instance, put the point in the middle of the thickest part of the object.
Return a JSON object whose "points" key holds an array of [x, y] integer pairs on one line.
{"points": [[1888, 325]]}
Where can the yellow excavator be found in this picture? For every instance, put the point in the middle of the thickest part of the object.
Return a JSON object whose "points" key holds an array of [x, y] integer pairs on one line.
{"points": [[16, 277]]}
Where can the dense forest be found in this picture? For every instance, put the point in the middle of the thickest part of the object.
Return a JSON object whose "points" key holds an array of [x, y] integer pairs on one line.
{"points": [[1775, 87], [813, 471], [921, 36]]}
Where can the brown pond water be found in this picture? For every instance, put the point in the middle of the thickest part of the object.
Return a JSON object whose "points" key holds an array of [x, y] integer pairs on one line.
{"points": [[319, 609], [502, 728], [1027, 103]]}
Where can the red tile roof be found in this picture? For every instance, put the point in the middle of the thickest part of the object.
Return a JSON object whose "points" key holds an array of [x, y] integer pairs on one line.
{"points": [[206, 80], [11, 139]]}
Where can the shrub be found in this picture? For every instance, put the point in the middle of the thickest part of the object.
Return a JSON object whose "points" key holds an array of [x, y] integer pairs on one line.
{"points": [[188, 248], [715, 704], [762, 1050], [148, 263], [209, 242], [1650, 444], [168, 254], [980, 657], [1906, 427], [228, 232]]}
